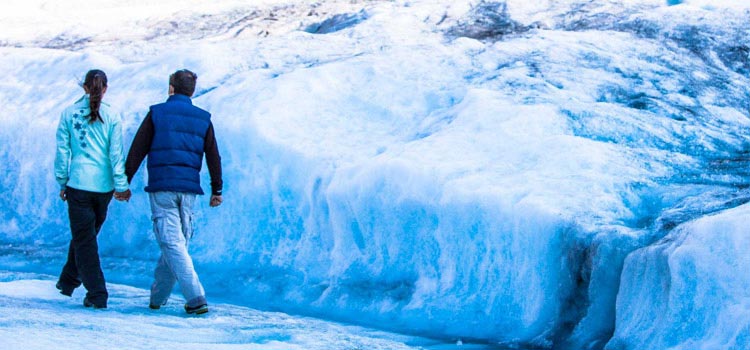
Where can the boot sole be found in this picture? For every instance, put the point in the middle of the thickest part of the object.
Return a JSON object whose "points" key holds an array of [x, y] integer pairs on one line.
{"points": [[200, 311], [87, 303]]}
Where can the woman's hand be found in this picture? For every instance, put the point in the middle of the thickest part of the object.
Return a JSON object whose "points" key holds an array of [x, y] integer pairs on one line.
{"points": [[63, 196], [123, 196], [215, 201]]}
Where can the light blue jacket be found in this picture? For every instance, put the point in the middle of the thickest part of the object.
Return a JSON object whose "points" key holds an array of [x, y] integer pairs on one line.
{"points": [[89, 155]]}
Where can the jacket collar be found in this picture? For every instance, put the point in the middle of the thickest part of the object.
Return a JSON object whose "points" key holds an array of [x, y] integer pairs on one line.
{"points": [[85, 101], [180, 98]]}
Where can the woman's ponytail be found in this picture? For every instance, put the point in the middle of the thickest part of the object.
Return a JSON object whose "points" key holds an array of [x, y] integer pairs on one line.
{"points": [[95, 83]]}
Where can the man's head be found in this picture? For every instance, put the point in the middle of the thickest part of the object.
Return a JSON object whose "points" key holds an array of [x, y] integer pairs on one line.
{"points": [[182, 82]]}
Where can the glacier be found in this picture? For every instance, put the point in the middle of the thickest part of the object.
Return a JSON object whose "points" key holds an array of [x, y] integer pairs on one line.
{"points": [[550, 174], [38, 317]]}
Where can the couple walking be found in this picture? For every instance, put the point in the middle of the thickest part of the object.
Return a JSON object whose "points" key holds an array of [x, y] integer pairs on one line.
{"points": [[90, 168]]}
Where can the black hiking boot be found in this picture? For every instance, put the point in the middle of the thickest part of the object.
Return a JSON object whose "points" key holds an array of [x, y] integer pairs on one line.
{"points": [[87, 303], [63, 291], [197, 310], [153, 306]]}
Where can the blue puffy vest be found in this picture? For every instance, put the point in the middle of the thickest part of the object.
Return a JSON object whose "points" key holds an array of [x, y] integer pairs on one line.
{"points": [[176, 155]]}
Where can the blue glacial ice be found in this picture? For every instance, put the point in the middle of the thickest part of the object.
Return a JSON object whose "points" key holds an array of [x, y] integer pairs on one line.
{"points": [[569, 174]]}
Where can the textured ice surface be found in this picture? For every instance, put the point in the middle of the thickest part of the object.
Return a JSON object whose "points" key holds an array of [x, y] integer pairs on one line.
{"points": [[691, 288], [499, 171], [36, 317]]}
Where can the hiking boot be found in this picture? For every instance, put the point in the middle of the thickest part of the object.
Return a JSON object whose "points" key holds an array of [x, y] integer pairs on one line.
{"points": [[153, 306], [198, 310], [64, 292], [87, 303]]}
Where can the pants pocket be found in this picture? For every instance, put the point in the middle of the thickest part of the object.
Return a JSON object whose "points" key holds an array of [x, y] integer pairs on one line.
{"points": [[167, 229]]}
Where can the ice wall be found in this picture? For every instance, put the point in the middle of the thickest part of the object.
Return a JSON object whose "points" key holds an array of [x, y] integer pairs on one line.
{"points": [[401, 173], [691, 288]]}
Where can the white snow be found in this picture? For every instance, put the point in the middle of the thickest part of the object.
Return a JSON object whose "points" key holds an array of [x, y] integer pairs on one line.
{"points": [[35, 316]]}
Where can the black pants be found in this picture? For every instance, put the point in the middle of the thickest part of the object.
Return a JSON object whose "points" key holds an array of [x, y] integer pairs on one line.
{"points": [[87, 212]]}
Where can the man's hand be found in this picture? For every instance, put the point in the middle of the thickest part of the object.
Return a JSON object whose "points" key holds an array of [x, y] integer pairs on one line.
{"points": [[215, 201], [123, 196], [63, 196]]}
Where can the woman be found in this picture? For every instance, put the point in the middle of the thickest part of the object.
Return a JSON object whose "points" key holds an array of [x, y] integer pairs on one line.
{"points": [[89, 166]]}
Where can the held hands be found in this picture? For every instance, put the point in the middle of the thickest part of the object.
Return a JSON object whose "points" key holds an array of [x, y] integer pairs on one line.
{"points": [[123, 196]]}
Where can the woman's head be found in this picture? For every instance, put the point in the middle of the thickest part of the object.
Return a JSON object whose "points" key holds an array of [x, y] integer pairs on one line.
{"points": [[95, 84]]}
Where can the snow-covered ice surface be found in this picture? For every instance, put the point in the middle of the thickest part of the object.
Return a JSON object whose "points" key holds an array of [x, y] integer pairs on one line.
{"points": [[691, 287], [558, 174], [35, 317]]}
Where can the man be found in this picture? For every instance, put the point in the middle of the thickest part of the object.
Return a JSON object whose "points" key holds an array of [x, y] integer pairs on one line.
{"points": [[175, 135]]}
